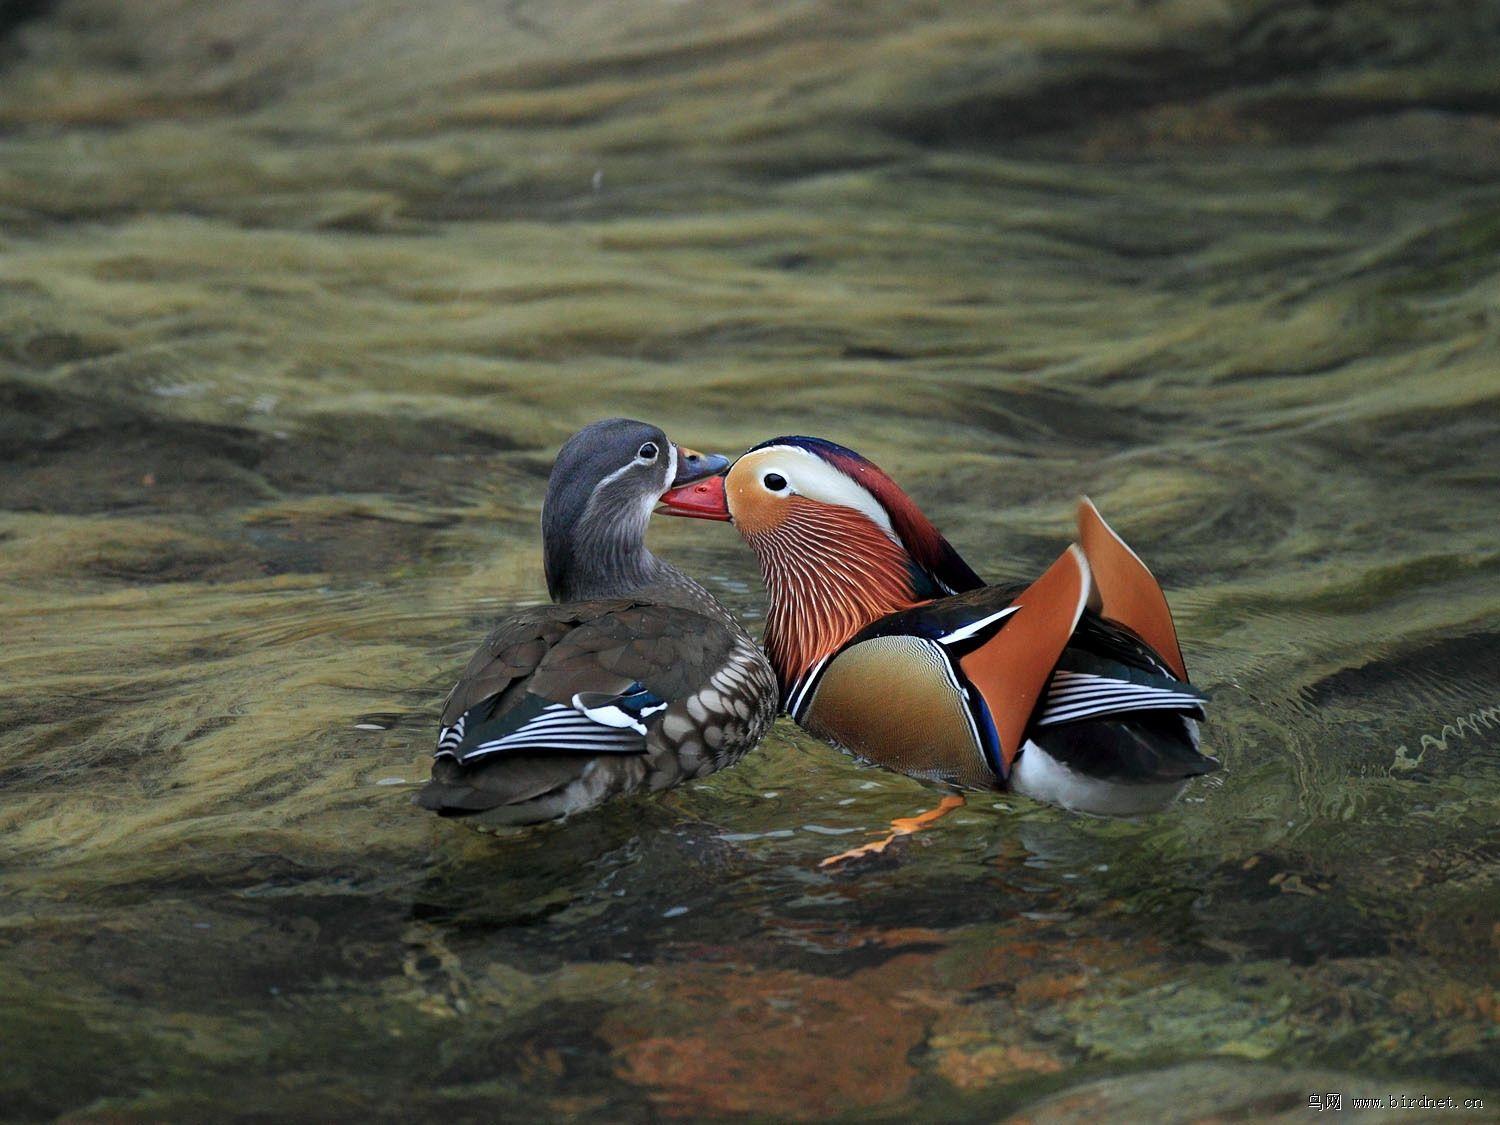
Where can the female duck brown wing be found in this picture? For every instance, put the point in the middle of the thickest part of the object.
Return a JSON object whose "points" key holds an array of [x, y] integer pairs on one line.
{"points": [[566, 706]]}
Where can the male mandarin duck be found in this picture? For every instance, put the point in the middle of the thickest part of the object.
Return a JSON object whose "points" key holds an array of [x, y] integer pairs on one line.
{"points": [[1070, 690], [635, 678]]}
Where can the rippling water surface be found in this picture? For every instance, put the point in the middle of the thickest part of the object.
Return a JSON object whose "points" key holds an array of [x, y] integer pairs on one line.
{"points": [[296, 301]]}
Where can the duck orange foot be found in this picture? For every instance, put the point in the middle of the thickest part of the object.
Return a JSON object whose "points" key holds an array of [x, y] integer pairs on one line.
{"points": [[902, 826]]}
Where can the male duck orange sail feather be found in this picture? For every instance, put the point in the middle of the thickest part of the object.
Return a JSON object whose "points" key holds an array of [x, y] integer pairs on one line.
{"points": [[1071, 689]]}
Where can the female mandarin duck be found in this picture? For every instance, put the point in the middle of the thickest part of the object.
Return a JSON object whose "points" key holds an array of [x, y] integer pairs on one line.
{"points": [[636, 678], [1070, 690]]}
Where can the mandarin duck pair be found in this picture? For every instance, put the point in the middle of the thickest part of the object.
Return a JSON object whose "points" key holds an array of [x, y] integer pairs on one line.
{"points": [[879, 639]]}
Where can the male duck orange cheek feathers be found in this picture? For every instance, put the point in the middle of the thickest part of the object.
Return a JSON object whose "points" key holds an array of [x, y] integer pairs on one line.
{"points": [[1071, 689]]}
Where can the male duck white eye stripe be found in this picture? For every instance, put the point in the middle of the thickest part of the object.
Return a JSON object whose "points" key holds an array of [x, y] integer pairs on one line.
{"points": [[811, 476]]}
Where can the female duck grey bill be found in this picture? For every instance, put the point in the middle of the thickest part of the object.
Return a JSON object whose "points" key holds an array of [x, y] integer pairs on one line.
{"points": [[634, 679]]}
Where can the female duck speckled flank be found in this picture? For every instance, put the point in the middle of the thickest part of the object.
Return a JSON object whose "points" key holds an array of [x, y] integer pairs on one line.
{"points": [[1071, 690], [636, 678]]}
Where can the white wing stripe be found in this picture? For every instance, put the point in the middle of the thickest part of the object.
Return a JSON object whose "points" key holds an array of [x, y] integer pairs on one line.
{"points": [[1053, 718], [567, 719], [611, 716], [1081, 695], [550, 744], [503, 743], [449, 738], [973, 627], [556, 727], [581, 725], [1067, 684], [571, 740]]}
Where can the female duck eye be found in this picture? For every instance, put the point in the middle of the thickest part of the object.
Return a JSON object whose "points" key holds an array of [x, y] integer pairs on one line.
{"points": [[647, 452], [774, 481]]}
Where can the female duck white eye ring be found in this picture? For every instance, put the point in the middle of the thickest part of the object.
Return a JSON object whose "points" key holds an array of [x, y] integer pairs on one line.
{"points": [[647, 452]]}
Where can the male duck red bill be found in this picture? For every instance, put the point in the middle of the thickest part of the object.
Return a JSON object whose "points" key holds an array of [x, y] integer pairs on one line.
{"points": [[1070, 690], [636, 678]]}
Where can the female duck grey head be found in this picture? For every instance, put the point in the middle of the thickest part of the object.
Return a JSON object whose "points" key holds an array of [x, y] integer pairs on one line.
{"points": [[604, 483]]}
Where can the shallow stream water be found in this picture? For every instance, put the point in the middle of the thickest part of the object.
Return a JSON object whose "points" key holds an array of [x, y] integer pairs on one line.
{"points": [[296, 302]]}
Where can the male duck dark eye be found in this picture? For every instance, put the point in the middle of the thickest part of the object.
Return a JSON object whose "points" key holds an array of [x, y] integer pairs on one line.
{"points": [[774, 481], [647, 452]]}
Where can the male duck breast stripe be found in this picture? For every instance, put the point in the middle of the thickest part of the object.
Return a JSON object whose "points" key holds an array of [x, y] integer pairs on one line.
{"points": [[802, 690]]}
